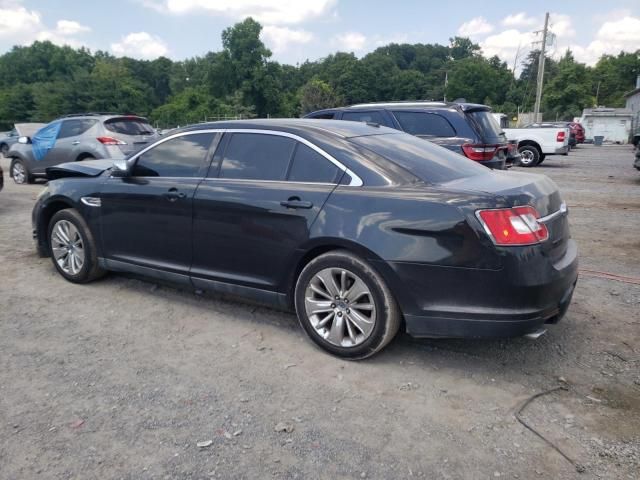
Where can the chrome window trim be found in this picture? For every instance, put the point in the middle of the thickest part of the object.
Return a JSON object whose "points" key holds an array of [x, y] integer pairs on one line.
{"points": [[249, 180], [356, 181], [561, 211]]}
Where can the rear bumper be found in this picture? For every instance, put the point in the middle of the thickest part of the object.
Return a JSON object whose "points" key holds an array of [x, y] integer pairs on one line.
{"points": [[495, 163], [526, 293], [561, 150]]}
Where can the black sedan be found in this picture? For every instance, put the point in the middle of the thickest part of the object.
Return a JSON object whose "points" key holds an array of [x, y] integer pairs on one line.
{"points": [[360, 228]]}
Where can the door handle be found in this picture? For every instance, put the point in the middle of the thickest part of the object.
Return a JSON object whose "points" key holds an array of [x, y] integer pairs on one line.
{"points": [[172, 195], [77, 142], [295, 202]]}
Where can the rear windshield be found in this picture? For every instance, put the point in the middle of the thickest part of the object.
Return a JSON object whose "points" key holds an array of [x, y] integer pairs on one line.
{"points": [[129, 126], [427, 161], [486, 123]]}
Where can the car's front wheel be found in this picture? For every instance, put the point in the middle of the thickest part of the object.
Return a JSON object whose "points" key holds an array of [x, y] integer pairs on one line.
{"points": [[72, 247], [20, 173], [345, 306]]}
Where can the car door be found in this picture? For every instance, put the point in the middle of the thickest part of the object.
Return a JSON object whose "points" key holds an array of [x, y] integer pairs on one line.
{"points": [[69, 136], [263, 193], [145, 217]]}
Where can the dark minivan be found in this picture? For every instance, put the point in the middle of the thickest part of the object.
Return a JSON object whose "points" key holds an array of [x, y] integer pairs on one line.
{"points": [[466, 128]]}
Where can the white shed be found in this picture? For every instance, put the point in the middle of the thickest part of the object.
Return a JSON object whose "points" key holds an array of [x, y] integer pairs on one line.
{"points": [[614, 124]]}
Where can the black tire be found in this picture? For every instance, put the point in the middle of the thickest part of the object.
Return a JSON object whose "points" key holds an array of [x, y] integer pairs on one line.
{"points": [[85, 156], [541, 161], [530, 156], [388, 316], [20, 179], [90, 270]]}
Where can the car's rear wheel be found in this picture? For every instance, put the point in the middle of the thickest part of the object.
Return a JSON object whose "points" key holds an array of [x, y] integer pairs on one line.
{"points": [[20, 173], [344, 305], [530, 155], [72, 247]]}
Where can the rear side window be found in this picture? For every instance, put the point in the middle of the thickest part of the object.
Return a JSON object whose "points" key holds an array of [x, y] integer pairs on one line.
{"points": [[373, 117], [255, 156], [426, 160], [324, 115], [129, 126], [183, 156], [420, 123], [73, 128], [309, 166], [487, 124]]}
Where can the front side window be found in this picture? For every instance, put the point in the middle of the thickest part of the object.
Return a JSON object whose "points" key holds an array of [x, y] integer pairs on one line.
{"points": [[309, 166], [428, 124], [256, 156], [372, 117], [183, 156]]}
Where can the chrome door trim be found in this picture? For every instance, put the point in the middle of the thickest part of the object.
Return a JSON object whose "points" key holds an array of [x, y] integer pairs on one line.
{"points": [[561, 211], [356, 181]]}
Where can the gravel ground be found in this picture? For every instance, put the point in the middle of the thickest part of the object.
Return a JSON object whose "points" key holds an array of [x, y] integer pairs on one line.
{"points": [[123, 378]]}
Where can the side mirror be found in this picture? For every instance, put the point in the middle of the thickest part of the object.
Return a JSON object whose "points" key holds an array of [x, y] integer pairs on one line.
{"points": [[24, 140], [120, 168]]}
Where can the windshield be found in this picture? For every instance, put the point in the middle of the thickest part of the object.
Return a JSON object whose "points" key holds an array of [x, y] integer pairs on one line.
{"points": [[129, 126], [427, 161]]}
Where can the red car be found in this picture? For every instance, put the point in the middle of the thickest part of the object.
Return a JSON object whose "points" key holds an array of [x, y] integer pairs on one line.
{"points": [[578, 129]]}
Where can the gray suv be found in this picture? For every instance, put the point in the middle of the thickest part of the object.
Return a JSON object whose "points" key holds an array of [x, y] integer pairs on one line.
{"points": [[78, 137], [6, 140]]}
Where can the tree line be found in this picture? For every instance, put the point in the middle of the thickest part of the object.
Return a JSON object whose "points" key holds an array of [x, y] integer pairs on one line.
{"points": [[43, 81]]}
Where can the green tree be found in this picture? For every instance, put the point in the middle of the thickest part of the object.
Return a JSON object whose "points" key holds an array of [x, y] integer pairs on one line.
{"points": [[316, 95], [569, 91], [462, 47]]}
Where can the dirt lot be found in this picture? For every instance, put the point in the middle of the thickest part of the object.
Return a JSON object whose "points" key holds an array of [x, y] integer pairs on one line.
{"points": [[122, 378]]}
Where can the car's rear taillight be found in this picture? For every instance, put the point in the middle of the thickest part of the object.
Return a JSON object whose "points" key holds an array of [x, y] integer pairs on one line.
{"points": [[513, 226], [110, 141], [560, 137], [479, 152]]}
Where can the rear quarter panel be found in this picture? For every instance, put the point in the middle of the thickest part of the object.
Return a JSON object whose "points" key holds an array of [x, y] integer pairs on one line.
{"points": [[423, 225]]}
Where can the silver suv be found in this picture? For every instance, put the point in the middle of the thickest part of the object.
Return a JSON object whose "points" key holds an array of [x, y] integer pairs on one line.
{"points": [[78, 137]]}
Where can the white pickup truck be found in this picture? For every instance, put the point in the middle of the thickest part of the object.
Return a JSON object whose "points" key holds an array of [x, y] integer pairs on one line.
{"points": [[534, 144]]}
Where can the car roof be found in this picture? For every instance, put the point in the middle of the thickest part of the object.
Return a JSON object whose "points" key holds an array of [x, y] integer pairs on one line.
{"points": [[414, 104], [103, 115], [343, 129]]}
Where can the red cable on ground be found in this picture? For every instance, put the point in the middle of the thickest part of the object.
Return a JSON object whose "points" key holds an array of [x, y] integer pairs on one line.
{"points": [[609, 276]]}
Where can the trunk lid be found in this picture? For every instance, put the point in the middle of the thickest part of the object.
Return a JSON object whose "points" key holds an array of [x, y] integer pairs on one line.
{"points": [[521, 188]]}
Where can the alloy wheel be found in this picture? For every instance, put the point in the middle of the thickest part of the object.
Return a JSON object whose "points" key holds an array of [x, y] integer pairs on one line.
{"points": [[527, 157], [340, 307], [68, 247], [19, 173]]}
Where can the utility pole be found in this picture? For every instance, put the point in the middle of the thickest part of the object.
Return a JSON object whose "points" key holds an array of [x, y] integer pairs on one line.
{"points": [[536, 108]]}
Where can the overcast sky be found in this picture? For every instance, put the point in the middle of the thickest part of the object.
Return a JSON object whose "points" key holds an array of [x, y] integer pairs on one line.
{"points": [[296, 30]]}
